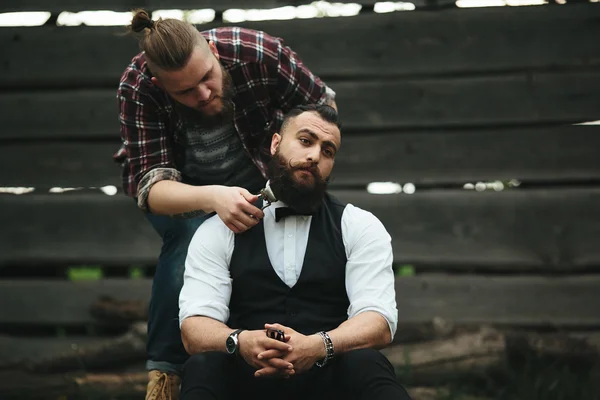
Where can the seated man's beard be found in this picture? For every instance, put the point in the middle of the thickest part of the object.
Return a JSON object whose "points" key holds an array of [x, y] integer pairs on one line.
{"points": [[303, 197]]}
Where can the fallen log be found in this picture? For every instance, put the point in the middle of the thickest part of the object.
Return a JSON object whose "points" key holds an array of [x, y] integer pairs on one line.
{"points": [[437, 328], [35, 386], [551, 348], [109, 310], [124, 349], [436, 362], [439, 393], [483, 355]]}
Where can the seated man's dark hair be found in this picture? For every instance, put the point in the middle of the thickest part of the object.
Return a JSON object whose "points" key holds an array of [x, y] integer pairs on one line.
{"points": [[326, 112]]}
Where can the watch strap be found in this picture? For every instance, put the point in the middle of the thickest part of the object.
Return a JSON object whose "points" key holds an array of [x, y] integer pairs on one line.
{"points": [[234, 335], [236, 332]]}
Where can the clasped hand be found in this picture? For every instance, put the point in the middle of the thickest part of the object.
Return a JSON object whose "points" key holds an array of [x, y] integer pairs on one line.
{"points": [[274, 358]]}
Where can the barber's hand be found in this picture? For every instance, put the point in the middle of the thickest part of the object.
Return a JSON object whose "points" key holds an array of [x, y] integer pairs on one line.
{"points": [[234, 206], [307, 350], [253, 343]]}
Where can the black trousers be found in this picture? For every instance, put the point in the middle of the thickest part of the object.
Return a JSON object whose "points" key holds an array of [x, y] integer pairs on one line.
{"points": [[358, 374]]}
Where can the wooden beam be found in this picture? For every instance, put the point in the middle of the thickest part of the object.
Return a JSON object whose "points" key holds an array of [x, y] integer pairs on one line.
{"points": [[70, 301], [562, 153], [545, 229], [368, 45], [122, 5], [15, 349], [499, 300], [433, 157], [497, 101], [526, 301], [77, 229]]}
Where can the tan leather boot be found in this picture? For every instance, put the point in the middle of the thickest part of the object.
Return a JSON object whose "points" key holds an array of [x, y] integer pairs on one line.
{"points": [[162, 386]]}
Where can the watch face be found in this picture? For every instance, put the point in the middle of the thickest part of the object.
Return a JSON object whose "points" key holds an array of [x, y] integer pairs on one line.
{"points": [[230, 345]]}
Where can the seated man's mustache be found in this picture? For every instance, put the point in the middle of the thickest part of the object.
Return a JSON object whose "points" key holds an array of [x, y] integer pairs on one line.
{"points": [[309, 166]]}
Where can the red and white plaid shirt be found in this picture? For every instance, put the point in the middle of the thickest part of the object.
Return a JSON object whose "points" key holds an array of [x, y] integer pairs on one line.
{"points": [[268, 78]]}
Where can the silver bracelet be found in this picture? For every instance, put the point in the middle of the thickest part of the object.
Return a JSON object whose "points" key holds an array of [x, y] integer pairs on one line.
{"points": [[328, 349]]}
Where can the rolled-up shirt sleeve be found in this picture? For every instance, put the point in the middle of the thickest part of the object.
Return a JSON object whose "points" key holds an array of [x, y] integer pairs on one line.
{"points": [[206, 287], [144, 135], [369, 274], [151, 177]]}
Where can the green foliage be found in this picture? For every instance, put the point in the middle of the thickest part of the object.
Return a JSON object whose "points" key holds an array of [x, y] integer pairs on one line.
{"points": [[84, 273], [136, 272], [405, 270]]}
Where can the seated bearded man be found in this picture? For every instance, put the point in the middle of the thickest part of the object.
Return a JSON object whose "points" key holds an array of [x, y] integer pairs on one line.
{"points": [[297, 306]]}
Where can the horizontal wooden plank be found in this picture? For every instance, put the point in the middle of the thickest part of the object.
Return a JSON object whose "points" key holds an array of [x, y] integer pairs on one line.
{"points": [[122, 5], [60, 164], [77, 229], [462, 299], [562, 153], [367, 105], [17, 349], [455, 41], [545, 228], [523, 300], [70, 301], [552, 229], [471, 101], [549, 154]]}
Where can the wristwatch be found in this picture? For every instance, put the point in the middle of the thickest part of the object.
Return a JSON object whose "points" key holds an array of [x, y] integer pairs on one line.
{"points": [[232, 344]]}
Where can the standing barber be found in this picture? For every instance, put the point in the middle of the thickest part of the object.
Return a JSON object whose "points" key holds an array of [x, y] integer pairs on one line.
{"points": [[197, 113]]}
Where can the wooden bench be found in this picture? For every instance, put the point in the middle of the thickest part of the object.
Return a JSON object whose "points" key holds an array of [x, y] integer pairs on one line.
{"points": [[434, 98]]}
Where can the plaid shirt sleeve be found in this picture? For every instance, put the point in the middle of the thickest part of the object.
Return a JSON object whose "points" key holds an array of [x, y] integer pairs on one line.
{"points": [[296, 84], [144, 134]]}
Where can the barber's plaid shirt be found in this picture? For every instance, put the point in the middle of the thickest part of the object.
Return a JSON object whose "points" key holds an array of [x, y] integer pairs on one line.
{"points": [[268, 77]]}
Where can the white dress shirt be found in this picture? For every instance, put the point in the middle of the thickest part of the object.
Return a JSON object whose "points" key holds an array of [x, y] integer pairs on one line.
{"points": [[369, 277]]}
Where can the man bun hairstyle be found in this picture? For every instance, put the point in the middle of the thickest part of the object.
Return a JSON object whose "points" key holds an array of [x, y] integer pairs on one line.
{"points": [[325, 111], [168, 43]]}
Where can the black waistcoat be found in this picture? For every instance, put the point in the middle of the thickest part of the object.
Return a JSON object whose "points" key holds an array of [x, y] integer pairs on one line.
{"points": [[317, 302]]}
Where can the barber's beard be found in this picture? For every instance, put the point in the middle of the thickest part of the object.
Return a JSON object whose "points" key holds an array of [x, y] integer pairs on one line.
{"points": [[303, 196], [226, 112]]}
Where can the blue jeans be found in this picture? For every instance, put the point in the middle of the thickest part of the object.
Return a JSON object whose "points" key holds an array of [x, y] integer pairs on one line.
{"points": [[164, 347]]}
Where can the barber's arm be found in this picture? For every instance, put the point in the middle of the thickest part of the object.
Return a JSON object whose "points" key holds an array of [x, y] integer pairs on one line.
{"points": [[296, 84], [232, 204], [153, 177]]}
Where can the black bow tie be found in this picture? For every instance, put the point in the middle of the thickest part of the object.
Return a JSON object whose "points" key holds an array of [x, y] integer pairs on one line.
{"points": [[282, 212]]}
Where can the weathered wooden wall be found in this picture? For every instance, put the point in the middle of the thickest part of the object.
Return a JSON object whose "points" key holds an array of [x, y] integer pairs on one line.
{"points": [[436, 98]]}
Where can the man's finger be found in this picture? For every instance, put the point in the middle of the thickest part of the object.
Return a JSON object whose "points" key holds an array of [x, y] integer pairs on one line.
{"points": [[277, 326], [240, 226], [270, 372], [232, 227], [246, 219], [280, 364], [267, 372], [274, 344], [250, 209], [271, 354], [251, 198]]}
